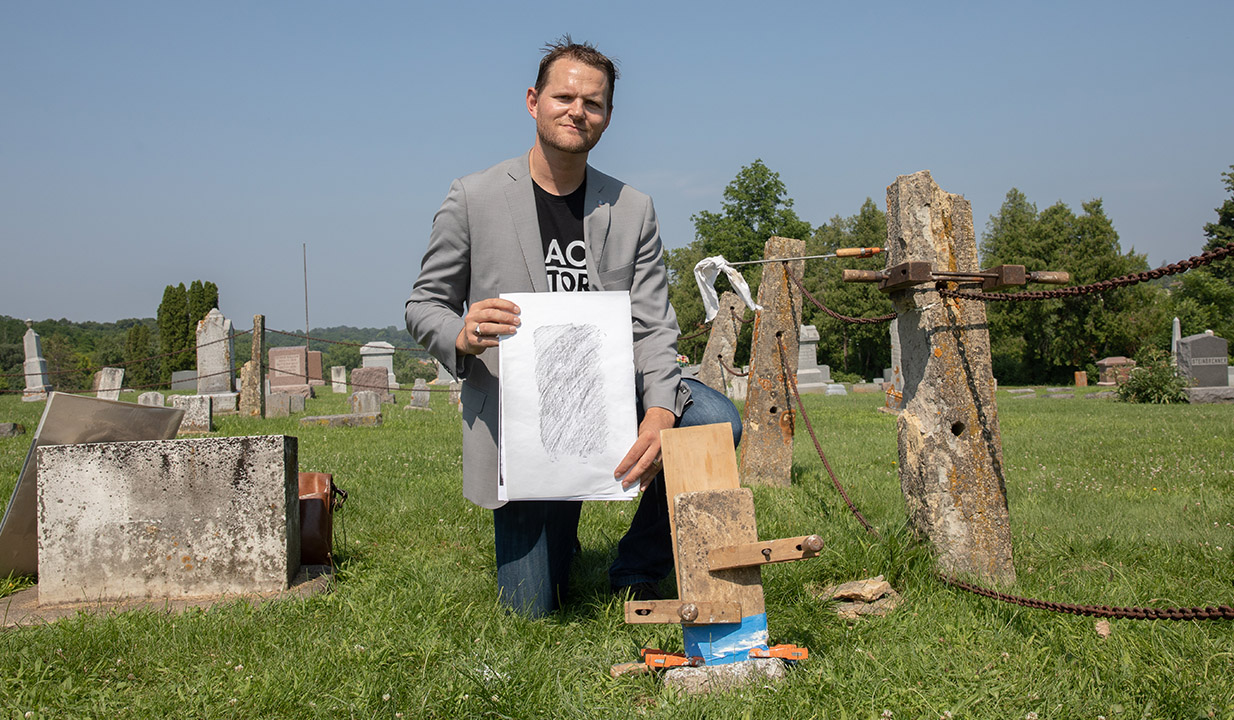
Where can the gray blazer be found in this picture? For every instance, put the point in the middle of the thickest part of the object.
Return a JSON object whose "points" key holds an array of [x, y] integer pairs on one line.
{"points": [[486, 241]]}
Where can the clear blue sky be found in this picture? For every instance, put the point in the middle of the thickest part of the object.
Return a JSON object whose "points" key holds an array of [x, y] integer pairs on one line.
{"points": [[147, 143]]}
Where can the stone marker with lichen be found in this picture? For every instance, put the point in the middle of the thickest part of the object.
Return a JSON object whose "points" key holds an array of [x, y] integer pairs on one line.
{"points": [[767, 434], [950, 449]]}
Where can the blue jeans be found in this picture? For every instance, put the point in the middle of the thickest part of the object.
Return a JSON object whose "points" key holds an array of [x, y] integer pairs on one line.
{"points": [[536, 539]]}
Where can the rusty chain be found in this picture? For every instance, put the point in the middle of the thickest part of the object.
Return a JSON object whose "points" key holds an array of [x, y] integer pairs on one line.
{"points": [[844, 318], [1195, 261], [792, 384], [732, 371], [1224, 612]]}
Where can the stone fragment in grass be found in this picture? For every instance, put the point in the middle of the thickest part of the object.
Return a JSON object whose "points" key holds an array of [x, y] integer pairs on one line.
{"points": [[867, 590], [878, 608], [721, 678], [12, 429], [1103, 629]]}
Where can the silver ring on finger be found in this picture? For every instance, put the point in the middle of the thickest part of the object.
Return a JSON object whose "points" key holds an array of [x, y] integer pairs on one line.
{"points": [[477, 329]]}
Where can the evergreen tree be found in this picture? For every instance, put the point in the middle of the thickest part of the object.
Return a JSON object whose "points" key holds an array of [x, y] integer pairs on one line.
{"points": [[139, 372], [174, 338]]}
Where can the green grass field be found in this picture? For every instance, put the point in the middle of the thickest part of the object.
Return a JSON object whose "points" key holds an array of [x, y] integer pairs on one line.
{"points": [[1110, 504]]}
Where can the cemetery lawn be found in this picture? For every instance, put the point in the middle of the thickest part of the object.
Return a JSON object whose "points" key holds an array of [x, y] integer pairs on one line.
{"points": [[1111, 504]]}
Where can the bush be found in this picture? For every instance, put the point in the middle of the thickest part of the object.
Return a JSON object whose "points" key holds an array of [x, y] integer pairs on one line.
{"points": [[1153, 380]]}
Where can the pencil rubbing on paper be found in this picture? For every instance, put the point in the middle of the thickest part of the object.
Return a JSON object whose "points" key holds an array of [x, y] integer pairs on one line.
{"points": [[570, 382]]}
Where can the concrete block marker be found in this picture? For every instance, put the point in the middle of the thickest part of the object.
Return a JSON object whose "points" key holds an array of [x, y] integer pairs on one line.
{"points": [[167, 519]]}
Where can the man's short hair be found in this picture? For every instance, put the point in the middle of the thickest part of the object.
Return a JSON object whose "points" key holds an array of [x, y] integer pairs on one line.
{"points": [[585, 53]]}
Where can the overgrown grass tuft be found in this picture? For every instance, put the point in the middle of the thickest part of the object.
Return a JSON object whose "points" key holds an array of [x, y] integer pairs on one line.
{"points": [[1110, 503]]}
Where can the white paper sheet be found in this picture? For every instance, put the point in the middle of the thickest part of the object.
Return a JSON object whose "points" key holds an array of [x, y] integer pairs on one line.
{"points": [[567, 397]]}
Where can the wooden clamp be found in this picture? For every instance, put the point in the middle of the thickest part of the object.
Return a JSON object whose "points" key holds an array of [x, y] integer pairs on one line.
{"points": [[918, 273], [679, 611], [763, 553]]}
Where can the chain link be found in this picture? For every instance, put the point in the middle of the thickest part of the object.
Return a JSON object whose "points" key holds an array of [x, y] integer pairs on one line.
{"points": [[1195, 261], [1224, 612], [833, 313]]}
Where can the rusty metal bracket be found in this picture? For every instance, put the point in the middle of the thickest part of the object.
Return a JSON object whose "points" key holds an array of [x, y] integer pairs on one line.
{"points": [[909, 274]]}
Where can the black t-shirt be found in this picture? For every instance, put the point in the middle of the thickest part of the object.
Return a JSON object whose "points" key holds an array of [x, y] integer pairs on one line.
{"points": [[561, 232]]}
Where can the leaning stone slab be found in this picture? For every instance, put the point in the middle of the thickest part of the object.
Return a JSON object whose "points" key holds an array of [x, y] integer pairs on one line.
{"points": [[107, 383], [350, 420], [167, 518], [721, 678], [198, 413], [153, 399]]}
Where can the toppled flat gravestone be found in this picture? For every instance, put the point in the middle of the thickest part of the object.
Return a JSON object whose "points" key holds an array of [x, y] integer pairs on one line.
{"points": [[721, 678], [1022, 391], [12, 429], [167, 518], [1102, 395], [1061, 395], [348, 420]]}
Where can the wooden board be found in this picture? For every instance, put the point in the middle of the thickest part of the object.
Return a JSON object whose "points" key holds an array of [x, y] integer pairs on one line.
{"points": [[709, 519], [762, 553], [641, 612], [698, 458]]}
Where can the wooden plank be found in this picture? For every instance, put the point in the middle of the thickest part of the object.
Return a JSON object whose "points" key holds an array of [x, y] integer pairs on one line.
{"points": [[679, 611], [697, 458], [765, 552], [717, 518]]}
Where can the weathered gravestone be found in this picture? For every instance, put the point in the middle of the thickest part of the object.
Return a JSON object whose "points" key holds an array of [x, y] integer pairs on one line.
{"points": [[420, 396], [253, 386], [184, 380], [364, 401], [767, 435], [107, 383], [289, 371], [278, 405], [456, 394], [316, 374], [380, 354], [811, 378], [950, 450], [35, 367], [198, 413], [216, 354], [167, 518], [1204, 359], [8, 429], [1114, 370], [376, 379], [152, 399], [714, 368], [338, 379]]}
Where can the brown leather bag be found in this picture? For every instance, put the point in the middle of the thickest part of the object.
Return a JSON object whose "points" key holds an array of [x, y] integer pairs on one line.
{"points": [[317, 505]]}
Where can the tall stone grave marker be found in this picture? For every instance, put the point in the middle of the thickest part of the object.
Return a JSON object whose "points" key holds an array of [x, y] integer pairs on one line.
{"points": [[316, 375], [253, 374], [288, 366], [216, 352], [767, 435], [338, 379], [810, 376], [107, 383], [950, 449], [35, 366], [1205, 359], [722, 344]]}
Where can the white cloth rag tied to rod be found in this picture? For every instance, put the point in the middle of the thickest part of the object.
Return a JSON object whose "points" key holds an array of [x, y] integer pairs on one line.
{"points": [[705, 273]]}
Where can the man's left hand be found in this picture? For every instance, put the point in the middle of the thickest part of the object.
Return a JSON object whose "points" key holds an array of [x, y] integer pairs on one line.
{"points": [[643, 460]]}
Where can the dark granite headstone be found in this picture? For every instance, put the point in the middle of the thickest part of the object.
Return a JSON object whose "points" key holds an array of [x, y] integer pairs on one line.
{"points": [[1205, 359]]}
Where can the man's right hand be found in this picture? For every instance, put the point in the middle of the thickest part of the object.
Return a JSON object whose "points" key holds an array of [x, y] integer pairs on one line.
{"points": [[484, 323]]}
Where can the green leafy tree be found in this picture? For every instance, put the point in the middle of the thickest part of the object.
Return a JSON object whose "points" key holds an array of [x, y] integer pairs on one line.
{"points": [[68, 370], [859, 349], [756, 207], [1045, 341]]}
